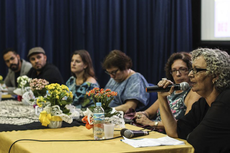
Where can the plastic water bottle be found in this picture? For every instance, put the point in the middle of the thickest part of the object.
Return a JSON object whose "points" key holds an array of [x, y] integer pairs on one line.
{"points": [[98, 122]]}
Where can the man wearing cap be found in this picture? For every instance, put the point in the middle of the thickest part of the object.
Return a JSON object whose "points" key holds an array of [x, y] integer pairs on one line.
{"points": [[41, 68], [17, 67]]}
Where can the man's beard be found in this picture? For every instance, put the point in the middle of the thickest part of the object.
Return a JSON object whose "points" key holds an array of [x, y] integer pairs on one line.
{"points": [[15, 68], [38, 69]]}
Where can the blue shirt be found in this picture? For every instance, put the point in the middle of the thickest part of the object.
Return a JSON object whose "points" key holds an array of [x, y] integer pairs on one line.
{"points": [[131, 88], [80, 99]]}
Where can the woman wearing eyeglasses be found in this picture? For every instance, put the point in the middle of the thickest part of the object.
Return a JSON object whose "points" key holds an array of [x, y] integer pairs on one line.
{"points": [[83, 78], [207, 126], [180, 102], [129, 85]]}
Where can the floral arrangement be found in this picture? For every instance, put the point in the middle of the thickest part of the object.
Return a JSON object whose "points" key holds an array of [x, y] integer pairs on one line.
{"points": [[23, 81], [103, 96], [1, 80], [3, 87], [38, 87], [23, 89], [54, 104], [99, 95]]}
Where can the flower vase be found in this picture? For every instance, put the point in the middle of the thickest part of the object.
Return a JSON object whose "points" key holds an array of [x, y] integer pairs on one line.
{"points": [[55, 122]]}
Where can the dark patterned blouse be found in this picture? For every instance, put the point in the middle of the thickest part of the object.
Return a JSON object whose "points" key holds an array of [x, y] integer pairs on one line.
{"points": [[80, 99], [176, 103]]}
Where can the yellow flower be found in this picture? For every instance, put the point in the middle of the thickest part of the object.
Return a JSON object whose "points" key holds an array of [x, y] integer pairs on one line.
{"points": [[39, 105], [56, 95], [64, 87], [1, 79], [71, 94]]}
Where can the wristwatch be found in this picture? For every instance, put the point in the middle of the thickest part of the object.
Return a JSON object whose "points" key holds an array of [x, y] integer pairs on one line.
{"points": [[156, 124]]}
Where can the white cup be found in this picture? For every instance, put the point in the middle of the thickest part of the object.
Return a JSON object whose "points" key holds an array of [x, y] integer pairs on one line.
{"points": [[108, 130]]}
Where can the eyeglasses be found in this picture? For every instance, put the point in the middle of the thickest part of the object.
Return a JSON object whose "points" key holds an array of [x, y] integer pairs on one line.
{"points": [[196, 70], [113, 73], [181, 70]]}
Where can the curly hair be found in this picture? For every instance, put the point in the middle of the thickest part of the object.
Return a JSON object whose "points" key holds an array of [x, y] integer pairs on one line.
{"points": [[116, 58], [186, 57], [218, 64]]}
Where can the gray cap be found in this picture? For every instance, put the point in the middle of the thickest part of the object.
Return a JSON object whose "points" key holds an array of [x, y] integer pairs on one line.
{"points": [[35, 50]]}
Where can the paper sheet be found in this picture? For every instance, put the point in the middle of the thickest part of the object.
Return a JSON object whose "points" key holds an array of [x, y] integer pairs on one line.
{"points": [[150, 142]]}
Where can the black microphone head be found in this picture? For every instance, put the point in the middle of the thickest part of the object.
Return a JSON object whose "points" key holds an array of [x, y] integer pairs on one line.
{"points": [[184, 86], [122, 131]]}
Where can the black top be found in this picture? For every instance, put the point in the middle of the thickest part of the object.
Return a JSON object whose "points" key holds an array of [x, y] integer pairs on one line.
{"points": [[17, 74], [49, 72], [206, 128]]}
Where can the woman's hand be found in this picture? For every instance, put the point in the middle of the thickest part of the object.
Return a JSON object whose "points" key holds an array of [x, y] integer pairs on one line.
{"points": [[165, 83], [142, 118]]}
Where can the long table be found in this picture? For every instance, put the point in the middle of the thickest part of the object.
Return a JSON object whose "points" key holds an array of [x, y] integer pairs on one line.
{"points": [[83, 142], [20, 122]]}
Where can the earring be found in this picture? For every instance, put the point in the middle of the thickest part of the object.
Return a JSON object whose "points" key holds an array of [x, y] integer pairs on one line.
{"points": [[214, 81]]}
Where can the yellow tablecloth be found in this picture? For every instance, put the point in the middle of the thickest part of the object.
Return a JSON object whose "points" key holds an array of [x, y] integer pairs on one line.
{"points": [[78, 133]]}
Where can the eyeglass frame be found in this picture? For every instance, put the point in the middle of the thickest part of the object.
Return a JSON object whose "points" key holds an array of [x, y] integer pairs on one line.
{"points": [[113, 73], [196, 70], [180, 70]]}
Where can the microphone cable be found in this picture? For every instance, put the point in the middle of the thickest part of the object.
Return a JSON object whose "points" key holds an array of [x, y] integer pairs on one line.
{"points": [[64, 140], [57, 141]]}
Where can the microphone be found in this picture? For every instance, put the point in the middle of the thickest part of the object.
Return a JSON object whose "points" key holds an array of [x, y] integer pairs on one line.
{"points": [[122, 131], [132, 133], [181, 86]]}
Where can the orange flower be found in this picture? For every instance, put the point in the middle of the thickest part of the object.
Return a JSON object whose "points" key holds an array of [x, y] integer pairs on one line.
{"points": [[101, 95], [96, 89], [85, 120], [102, 92], [107, 90]]}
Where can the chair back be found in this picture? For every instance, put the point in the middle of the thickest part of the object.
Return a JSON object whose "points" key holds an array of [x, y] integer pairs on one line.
{"points": [[152, 96]]}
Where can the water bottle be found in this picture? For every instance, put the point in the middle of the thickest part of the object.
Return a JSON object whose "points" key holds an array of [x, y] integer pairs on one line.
{"points": [[98, 122]]}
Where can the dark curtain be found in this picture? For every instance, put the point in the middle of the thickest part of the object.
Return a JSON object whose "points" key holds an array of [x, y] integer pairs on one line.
{"points": [[149, 31]]}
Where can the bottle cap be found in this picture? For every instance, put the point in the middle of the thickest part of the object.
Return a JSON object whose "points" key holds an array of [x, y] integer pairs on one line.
{"points": [[98, 104]]}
